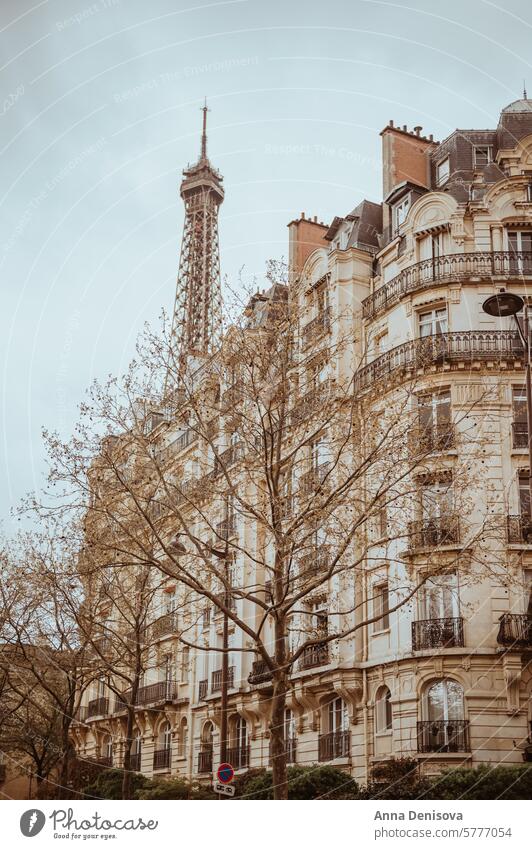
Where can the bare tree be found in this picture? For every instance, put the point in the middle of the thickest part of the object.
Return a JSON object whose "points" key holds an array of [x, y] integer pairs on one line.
{"points": [[266, 476]]}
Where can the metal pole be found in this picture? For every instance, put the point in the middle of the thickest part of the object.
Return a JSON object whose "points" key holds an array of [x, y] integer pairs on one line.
{"points": [[526, 334], [225, 669]]}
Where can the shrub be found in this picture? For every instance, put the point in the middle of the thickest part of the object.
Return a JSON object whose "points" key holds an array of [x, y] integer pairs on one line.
{"points": [[396, 779], [483, 782], [174, 788], [312, 782], [108, 784]]}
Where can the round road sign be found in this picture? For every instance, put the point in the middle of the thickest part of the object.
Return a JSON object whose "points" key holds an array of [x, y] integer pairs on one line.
{"points": [[225, 773]]}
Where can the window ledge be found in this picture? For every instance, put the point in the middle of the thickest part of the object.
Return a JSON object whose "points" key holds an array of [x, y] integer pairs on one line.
{"points": [[380, 633]]}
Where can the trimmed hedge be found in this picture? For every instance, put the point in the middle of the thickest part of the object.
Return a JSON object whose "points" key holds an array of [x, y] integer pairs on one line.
{"points": [[483, 782], [311, 782], [108, 784]]}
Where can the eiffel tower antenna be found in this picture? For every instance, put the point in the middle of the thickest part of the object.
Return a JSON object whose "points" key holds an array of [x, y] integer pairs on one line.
{"points": [[197, 318]]}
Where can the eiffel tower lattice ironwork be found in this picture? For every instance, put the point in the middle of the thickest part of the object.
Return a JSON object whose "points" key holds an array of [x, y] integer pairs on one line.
{"points": [[197, 319]]}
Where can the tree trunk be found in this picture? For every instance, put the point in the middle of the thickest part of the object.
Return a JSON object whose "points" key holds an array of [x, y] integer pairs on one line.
{"points": [[277, 738], [126, 780]]}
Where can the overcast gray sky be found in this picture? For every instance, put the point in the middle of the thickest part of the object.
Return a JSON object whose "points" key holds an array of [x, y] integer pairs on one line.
{"points": [[99, 112]]}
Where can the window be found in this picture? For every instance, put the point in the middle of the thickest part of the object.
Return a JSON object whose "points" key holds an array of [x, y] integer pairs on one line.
{"points": [[529, 193], [108, 750], [137, 743], [433, 322], [442, 172], [319, 619], [183, 738], [185, 663], [524, 495], [320, 454], [520, 241], [380, 597], [165, 736], [241, 733], [206, 617], [400, 211], [445, 701], [169, 600], [383, 711], [482, 155], [519, 424], [322, 299], [436, 499], [337, 716], [439, 597], [434, 417]]}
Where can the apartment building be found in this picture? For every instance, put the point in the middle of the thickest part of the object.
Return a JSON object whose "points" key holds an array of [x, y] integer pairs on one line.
{"points": [[396, 290]]}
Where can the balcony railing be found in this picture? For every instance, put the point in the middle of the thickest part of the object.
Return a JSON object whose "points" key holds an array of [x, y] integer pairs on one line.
{"points": [[435, 438], [437, 633], [228, 458], [519, 435], [450, 735], [336, 744], [310, 481], [315, 655], [227, 528], [105, 760], [98, 707], [166, 624], [238, 756], [162, 691], [515, 629], [162, 758], [134, 761], [315, 328], [446, 269], [429, 533], [290, 748], [205, 760], [216, 679], [314, 564], [311, 402], [443, 348], [260, 674], [519, 530], [203, 689]]}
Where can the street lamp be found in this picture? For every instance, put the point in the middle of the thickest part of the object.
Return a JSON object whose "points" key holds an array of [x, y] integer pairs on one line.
{"points": [[502, 305]]}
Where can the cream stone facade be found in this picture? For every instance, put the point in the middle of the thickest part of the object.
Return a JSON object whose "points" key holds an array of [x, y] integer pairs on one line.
{"points": [[447, 678]]}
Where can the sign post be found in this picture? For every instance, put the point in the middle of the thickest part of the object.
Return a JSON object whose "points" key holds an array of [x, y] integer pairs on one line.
{"points": [[225, 774]]}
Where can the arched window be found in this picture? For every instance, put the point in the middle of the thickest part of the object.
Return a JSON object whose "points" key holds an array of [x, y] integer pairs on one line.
{"points": [[290, 736], [137, 742], [207, 734], [444, 728], [241, 732], [337, 717], [445, 700], [383, 711], [165, 736], [183, 738], [107, 750]]}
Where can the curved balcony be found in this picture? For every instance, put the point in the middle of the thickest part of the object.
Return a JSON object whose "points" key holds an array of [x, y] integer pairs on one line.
{"points": [[450, 268], [515, 629], [461, 347]]}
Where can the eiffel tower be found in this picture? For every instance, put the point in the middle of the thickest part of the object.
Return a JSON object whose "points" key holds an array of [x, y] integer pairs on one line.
{"points": [[197, 319]]}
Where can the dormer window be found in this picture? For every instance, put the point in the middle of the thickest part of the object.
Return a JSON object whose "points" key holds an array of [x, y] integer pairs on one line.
{"points": [[442, 171], [400, 211], [482, 156]]}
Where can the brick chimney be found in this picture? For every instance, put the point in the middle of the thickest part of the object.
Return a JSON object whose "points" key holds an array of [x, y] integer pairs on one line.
{"points": [[405, 156], [304, 236]]}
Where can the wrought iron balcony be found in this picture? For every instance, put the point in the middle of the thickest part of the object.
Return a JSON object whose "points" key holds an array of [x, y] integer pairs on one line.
{"points": [[315, 655], [227, 528], [462, 347], [311, 565], [162, 758], [430, 533], [290, 749], [203, 689], [166, 624], [238, 756], [519, 435], [317, 327], [205, 760], [447, 269], [519, 530], [515, 629], [158, 693], [437, 633], [216, 679], [450, 735], [105, 760], [98, 707], [311, 480], [134, 761], [311, 402], [336, 744], [228, 458], [260, 674]]}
